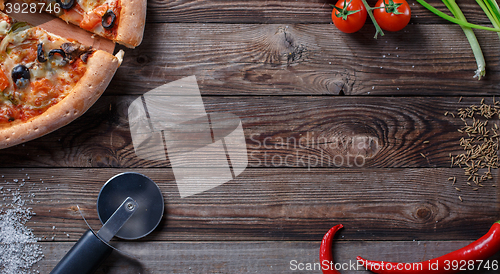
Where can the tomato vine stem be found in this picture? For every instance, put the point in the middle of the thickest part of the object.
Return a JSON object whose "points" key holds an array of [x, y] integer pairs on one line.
{"points": [[343, 12], [378, 29], [392, 7]]}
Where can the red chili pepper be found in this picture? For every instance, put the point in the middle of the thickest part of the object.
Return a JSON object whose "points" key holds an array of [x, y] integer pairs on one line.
{"points": [[325, 251], [474, 253]]}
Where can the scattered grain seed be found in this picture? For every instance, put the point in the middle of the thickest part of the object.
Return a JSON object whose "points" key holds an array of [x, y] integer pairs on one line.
{"points": [[422, 154], [426, 142], [460, 198], [458, 189], [481, 143]]}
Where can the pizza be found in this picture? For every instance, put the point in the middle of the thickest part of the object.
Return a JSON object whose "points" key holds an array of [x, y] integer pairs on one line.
{"points": [[46, 81], [122, 21]]}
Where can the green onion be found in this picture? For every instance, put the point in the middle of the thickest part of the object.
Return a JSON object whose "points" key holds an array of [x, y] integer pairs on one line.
{"points": [[490, 7], [453, 19], [471, 37], [492, 11]]}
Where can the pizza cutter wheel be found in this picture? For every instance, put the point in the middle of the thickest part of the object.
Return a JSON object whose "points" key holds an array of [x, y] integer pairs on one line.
{"points": [[130, 206]]}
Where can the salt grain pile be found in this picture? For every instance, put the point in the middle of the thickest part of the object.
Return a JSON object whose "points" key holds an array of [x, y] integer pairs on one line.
{"points": [[18, 248]]}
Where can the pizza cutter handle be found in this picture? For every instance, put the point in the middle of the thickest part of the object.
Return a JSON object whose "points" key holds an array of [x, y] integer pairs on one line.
{"points": [[84, 257]]}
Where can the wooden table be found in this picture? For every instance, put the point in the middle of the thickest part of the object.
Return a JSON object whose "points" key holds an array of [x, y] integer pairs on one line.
{"points": [[289, 74]]}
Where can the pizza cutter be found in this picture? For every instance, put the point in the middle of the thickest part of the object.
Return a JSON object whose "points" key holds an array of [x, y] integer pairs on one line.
{"points": [[130, 206]]}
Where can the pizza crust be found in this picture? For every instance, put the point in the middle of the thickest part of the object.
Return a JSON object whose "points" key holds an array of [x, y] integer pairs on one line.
{"points": [[101, 67], [132, 22]]}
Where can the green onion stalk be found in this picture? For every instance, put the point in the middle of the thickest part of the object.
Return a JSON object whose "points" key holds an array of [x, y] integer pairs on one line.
{"points": [[491, 9]]}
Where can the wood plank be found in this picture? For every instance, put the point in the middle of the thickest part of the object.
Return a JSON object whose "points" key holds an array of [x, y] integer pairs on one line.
{"points": [[286, 11], [254, 257], [279, 131], [309, 59], [272, 204]]}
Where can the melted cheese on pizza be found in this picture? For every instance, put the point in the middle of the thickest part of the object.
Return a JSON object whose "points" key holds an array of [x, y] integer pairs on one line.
{"points": [[91, 5]]}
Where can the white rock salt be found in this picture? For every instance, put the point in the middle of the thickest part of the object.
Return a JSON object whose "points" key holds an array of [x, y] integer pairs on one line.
{"points": [[18, 248]]}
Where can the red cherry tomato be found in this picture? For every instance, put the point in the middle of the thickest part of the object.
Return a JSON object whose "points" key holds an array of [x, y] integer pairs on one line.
{"points": [[349, 16], [392, 15]]}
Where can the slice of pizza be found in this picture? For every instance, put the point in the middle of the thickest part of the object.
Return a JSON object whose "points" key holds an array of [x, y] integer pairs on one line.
{"points": [[122, 21], [46, 81]]}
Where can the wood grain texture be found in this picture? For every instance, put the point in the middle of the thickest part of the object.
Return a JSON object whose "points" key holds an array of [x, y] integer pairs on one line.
{"points": [[278, 65], [287, 11], [273, 204], [309, 59], [252, 257], [285, 132]]}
